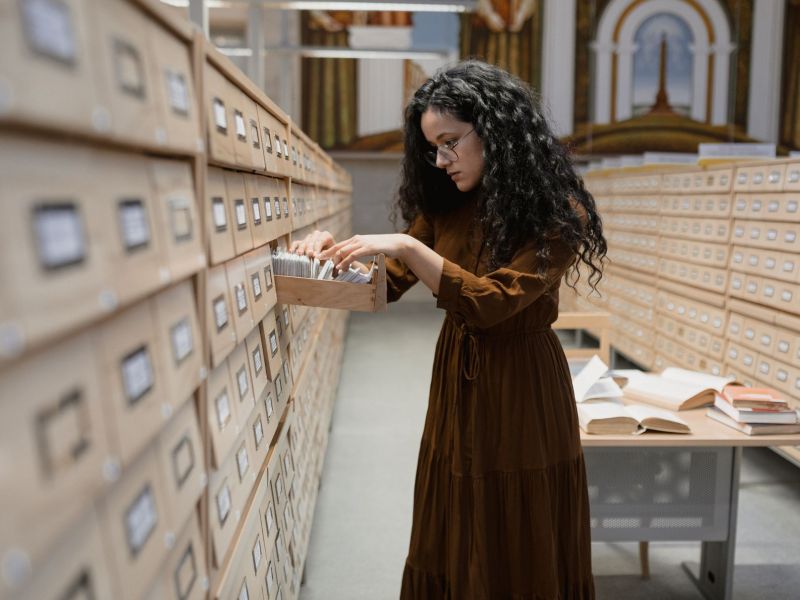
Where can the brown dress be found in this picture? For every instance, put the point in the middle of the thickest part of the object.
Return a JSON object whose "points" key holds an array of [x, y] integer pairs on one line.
{"points": [[501, 509]]}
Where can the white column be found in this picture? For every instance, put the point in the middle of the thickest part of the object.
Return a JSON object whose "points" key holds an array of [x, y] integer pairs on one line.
{"points": [[558, 64], [700, 52], [602, 87], [765, 70], [722, 61], [380, 81], [625, 54]]}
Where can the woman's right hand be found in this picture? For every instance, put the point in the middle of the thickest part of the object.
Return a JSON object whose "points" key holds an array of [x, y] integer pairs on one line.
{"points": [[313, 244]]}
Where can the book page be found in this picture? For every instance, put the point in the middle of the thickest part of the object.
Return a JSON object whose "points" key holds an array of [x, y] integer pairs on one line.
{"points": [[664, 392], [640, 413], [603, 388], [703, 380], [593, 371]]}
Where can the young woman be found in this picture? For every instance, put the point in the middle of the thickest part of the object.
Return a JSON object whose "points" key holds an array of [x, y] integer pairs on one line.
{"points": [[496, 217]]}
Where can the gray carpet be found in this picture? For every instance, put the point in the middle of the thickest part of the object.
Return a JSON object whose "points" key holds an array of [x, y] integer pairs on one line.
{"points": [[360, 533]]}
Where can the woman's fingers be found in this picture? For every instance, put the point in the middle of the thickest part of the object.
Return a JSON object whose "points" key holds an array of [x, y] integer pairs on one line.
{"points": [[329, 252], [322, 240], [347, 254]]}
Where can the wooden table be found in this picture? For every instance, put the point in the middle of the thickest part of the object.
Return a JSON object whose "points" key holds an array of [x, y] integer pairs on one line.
{"points": [[661, 486]]}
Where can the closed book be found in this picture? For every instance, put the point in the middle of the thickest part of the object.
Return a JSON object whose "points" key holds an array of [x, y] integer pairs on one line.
{"points": [[742, 396], [753, 428], [756, 415]]}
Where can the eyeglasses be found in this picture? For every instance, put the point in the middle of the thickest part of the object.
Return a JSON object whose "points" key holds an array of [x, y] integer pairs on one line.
{"points": [[446, 150]]}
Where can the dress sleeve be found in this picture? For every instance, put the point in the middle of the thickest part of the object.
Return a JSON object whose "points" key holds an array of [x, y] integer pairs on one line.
{"points": [[487, 300], [399, 278]]}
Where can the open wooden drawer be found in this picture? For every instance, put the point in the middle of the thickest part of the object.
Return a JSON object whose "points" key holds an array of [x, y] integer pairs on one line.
{"points": [[361, 297]]}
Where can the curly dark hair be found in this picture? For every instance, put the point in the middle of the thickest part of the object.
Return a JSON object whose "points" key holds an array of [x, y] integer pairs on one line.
{"points": [[529, 189]]}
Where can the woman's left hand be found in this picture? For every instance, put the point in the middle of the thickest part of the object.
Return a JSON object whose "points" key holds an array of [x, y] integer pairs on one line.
{"points": [[345, 252]]}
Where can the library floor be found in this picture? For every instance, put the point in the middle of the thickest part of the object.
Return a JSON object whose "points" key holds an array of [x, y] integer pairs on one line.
{"points": [[360, 532]]}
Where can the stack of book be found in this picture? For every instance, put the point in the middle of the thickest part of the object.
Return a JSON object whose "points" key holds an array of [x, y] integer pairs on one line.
{"points": [[754, 411]]}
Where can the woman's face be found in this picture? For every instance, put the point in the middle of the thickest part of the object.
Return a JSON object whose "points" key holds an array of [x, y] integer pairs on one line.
{"points": [[443, 128]]}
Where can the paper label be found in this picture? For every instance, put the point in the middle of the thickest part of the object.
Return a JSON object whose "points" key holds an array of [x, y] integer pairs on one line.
{"points": [[285, 207], [278, 150], [137, 374], [59, 235], [258, 432], [791, 206], [180, 218], [254, 134], [182, 460], [273, 343], [287, 516], [182, 343], [218, 214], [129, 68], [268, 405], [243, 593], [783, 347], [257, 555], [241, 379], [258, 361], [268, 208], [286, 316], [270, 577], [140, 520], [48, 28], [178, 92], [279, 488], [220, 313], [223, 409], [255, 280], [242, 461], [286, 370], [134, 225], [238, 120], [268, 139], [223, 504], [788, 266], [185, 574], [256, 211], [220, 116], [268, 277], [63, 432], [269, 518], [241, 297], [287, 465], [241, 215], [277, 203]]}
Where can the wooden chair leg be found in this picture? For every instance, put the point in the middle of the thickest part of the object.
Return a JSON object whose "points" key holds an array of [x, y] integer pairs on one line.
{"points": [[644, 559]]}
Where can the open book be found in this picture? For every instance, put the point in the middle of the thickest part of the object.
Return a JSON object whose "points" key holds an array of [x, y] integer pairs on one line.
{"points": [[676, 389], [590, 383], [614, 418]]}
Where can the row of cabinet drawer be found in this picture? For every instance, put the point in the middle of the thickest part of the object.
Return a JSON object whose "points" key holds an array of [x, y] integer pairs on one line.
{"points": [[640, 354], [118, 74], [76, 247], [692, 337], [748, 362], [769, 292], [243, 133], [672, 353], [140, 516], [93, 403]]}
